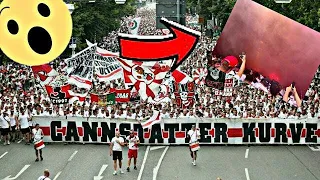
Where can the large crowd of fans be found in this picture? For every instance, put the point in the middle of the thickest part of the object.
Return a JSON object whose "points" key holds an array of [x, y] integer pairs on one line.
{"points": [[20, 92]]}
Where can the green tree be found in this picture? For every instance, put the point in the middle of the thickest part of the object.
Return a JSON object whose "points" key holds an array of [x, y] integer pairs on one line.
{"points": [[93, 21], [306, 12]]}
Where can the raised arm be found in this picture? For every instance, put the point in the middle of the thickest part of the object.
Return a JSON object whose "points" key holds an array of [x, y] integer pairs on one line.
{"points": [[297, 98], [286, 94], [243, 66]]}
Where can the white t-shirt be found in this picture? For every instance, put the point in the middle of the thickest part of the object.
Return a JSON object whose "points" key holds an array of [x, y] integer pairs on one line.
{"points": [[132, 141], [24, 121], [193, 135], [13, 120], [117, 146], [37, 134], [5, 122], [43, 178]]}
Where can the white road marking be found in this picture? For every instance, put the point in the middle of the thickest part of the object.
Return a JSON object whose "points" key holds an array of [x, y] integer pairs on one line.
{"points": [[3, 155], [99, 177], [247, 154], [247, 173], [314, 147], [21, 171], [56, 177], [156, 147], [143, 163], [75, 152], [19, 141], [156, 169]]}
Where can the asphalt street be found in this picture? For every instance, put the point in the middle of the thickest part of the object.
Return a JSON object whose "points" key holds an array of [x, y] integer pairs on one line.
{"points": [[84, 162]]}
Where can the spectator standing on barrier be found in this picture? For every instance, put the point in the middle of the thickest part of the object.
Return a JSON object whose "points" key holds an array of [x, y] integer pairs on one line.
{"points": [[45, 176], [133, 149], [37, 138], [24, 122], [116, 152], [5, 121], [193, 136]]}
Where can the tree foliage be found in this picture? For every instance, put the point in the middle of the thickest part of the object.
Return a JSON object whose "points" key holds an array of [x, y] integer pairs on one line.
{"points": [[306, 12]]}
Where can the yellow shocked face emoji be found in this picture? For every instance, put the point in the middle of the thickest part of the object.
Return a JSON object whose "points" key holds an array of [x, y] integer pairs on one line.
{"points": [[34, 32]]}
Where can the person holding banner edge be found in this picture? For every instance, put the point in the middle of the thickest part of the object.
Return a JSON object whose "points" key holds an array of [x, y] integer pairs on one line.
{"points": [[194, 137]]}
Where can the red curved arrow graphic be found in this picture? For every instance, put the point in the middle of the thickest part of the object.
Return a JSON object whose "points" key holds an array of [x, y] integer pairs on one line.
{"points": [[178, 45]]}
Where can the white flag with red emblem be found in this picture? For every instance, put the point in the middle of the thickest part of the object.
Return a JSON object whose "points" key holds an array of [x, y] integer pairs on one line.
{"points": [[155, 118], [145, 77], [133, 25]]}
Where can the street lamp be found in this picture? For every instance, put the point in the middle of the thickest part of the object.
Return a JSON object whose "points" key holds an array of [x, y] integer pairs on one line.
{"points": [[120, 1]]}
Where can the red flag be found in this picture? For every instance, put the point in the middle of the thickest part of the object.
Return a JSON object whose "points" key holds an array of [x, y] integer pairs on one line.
{"points": [[94, 97], [122, 95]]}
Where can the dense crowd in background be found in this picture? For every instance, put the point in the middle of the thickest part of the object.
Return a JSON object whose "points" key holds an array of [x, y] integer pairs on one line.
{"points": [[20, 92]]}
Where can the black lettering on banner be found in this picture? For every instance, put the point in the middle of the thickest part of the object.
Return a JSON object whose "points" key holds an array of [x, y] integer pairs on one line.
{"points": [[138, 128], [156, 134], [281, 131], [220, 130], [296, 130], [248, 130], [186, 127], [310, 135], [55, 136], [72, 131], [92, 131], [108, 132], [264, 132], [204, 129], [124, 129], [172, 128]]}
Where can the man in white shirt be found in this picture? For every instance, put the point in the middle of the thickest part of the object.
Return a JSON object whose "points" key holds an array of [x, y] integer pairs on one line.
{"points": [[45, 176], [133, 141], [5, 122], [194, 136], [24, 123], [116, 145]]}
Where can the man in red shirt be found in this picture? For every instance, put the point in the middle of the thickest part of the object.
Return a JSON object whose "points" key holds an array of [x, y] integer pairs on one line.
{"points": [[133, 142]]}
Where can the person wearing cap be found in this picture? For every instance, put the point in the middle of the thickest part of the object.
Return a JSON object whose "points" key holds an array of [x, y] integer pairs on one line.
{"points": [[193, 136], [37, 136], [133, 142], [45, 176]]}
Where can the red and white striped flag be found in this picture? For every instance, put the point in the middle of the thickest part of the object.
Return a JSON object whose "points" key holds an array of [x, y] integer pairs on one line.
{"points": [[155, 118]]}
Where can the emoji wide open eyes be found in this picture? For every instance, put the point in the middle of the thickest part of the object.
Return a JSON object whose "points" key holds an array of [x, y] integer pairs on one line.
{"points": [[44, 10], [13, 27]]}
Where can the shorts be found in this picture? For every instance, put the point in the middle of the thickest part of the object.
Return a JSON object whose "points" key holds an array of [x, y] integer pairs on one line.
{"points": [[13, 129], [25, 130], [30, 129], [5, 131], [117, 155], [132, 154]]}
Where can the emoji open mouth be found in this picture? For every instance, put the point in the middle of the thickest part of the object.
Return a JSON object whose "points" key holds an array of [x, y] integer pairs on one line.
{"points": [[39, 40]]}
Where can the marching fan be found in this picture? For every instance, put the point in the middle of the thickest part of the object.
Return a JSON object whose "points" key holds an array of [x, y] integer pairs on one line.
{"points": [[38, 142], [116, 145], [4, 119], [194, 136], [133, 149]]}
